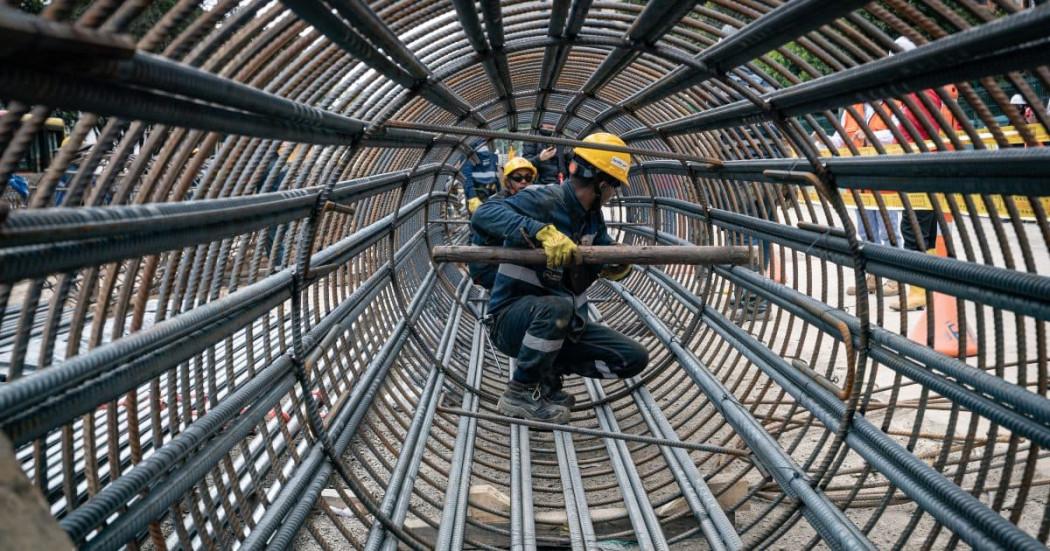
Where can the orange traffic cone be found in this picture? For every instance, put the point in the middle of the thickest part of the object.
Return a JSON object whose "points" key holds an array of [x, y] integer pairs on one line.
{"points": [[775, 273], [945, 322]]}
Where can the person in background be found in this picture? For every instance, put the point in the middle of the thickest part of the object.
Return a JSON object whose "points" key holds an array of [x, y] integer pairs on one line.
{"points": [[747, 306], [880, 233], [1026, 111], [551, 161], [480, 178], [517, 175], [915, 298], [16, 193]]}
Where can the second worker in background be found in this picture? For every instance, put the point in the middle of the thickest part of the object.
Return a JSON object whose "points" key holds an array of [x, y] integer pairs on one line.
{"points": [[480, 178], [551, 161], [517, 175], [540, 315]]}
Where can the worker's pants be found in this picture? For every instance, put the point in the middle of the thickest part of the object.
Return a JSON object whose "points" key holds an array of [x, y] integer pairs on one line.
{"points": [[927, 226], [548, 338], [880, 234]]}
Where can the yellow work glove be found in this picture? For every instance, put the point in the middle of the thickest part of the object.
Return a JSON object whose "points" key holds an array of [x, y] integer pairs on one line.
{"points": [[561, 251], [616, 272], [472, 204]]}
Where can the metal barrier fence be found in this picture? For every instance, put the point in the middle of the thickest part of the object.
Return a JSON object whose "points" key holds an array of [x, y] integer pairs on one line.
{"points": [[220, 325]]}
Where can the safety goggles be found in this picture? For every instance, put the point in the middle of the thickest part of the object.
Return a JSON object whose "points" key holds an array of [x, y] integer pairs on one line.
{"points": [[588, 171], [527, 177]]}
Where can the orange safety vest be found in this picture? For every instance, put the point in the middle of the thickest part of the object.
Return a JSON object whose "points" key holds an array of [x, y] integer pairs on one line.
{"points": [[872, 119]]}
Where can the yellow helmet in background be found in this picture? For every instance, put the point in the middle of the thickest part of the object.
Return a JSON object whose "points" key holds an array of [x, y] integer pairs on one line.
{"points": [[613, 163], [518, 163]]}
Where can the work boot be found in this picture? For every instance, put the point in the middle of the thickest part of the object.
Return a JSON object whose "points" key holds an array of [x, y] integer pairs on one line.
{"points": [[527, 402], [551, 389], [915, 299], [891, 289], [869, 282]]}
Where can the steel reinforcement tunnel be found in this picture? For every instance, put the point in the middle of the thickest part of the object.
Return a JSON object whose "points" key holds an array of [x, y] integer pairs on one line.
{"points": [[221, 325]]}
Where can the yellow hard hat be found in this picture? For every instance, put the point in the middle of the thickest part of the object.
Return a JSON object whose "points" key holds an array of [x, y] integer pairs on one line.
{"points": [[613, 163], [518, 163]]}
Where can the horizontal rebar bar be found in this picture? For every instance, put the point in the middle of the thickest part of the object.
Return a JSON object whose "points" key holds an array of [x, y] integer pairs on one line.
{"points": [[536, 138], [218, 287], [598, 433]]}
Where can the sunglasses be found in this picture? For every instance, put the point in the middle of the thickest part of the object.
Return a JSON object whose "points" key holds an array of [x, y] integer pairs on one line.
{"points": [[521, 177]]}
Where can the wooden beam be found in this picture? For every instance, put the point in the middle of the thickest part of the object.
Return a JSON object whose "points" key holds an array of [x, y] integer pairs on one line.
{"points": [[634, 254], [26, 522]]}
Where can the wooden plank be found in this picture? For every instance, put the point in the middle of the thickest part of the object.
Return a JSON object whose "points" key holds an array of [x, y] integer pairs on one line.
{"points": [[727, 491], [634, 254], [489, 497]]}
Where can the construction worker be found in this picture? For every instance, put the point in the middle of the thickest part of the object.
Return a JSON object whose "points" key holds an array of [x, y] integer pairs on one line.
{"points": [[539, 315], [517, 175], [921, 237], [479, 178], [551, 161], [1023, 109], [880, 233]]}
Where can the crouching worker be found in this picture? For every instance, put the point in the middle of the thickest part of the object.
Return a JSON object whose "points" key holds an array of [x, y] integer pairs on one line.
{"points": [[540, 314], [517, 175]]}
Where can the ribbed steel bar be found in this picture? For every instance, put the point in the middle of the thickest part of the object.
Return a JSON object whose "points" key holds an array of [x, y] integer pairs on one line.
{"points": [[1003, 172], [542, 139], [581, 526], [1013, 43], [895, 348], [715, 525], [921, 482], [303, 492], [452, 516], [756, 38], [221, 325], [607, 434], [1025, 292], [643, 518], [652, 23], [827, 519], [160, 348], [445, 350], [125, 232]]}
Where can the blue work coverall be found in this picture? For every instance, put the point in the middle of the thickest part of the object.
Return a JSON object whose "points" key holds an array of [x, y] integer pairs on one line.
{"points": [[540, 320], [480, 179], [485, 274]]}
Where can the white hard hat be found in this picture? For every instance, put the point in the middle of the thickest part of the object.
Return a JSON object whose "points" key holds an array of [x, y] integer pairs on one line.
{"points": [[1016, 99], [904, 43]]}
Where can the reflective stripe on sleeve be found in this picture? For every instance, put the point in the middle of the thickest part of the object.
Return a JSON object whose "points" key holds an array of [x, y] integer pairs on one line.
{"points": [[540, 344], [520, 273]]}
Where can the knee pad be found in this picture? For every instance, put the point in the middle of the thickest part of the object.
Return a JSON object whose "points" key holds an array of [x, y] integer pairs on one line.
{"points": [[559, 309]]}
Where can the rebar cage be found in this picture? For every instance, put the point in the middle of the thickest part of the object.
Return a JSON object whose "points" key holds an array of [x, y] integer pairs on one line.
{"points": [[220, 325]]}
